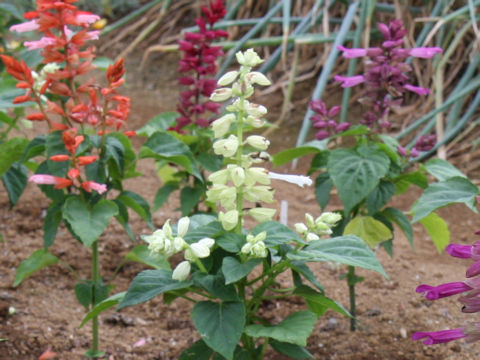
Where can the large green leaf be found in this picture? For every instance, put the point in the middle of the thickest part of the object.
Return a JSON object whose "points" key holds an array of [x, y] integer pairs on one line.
{"points": [[348, 249], [380, 196], [302, 268], [220, 325], [437, 229], [198, 351], [234, 270], [102, 306], [211, 230], [295, 329], [88, 223], [215, 285], [319, 303], [403, 181], [15, 181], [442, 169], [150, 283], [160, 122], [36, 261], [189, 198], [288, 155], [291, 350], [142, 254], [51, 223], [323, 186], [11, 150], [356, 172], [231, 242], [277, 233], [137, 204], [368, 229], [401, 220], [454, 190], [162, 195]]}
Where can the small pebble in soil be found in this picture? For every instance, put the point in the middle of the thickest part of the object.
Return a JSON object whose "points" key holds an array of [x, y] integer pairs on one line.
{"points": [[332, 324], [373, 312], [118, 319], [403, 333]]}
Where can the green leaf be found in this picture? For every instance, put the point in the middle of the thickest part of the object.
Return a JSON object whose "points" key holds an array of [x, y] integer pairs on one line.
{"points": [[368, 229], [356, 172], [291, 350], [453, 190], [231, 242], [288, 155], [160, 122], [211, 230], [142, 255], [137, 204], [189, 198], [210, 162], [162, 195], [51, 223], [348, 249], [102, 306], [234, 270], [437, 229], [401, 220], [34, 148], [220, 325], [323, 186], [308, 274], [36, 261], [198, 351], [277, 233], [88, 224], [12, 151], [442, 169], [319, 303], [215, 285], [150, 283], [12, 10], [15, 181], [54, 146], [295, 329], [83, 292], [122, 218], [380, 196]]}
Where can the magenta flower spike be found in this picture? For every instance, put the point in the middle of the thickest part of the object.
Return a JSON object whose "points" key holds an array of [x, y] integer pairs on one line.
{"points": [[443, 290], [459, 251], [439, 337], [425, 52], [352, 53], [416, 89], [349, 81]]}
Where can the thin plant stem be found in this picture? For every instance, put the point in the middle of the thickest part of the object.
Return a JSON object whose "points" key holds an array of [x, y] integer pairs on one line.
{"points": [[351, 280], [96, 279]]}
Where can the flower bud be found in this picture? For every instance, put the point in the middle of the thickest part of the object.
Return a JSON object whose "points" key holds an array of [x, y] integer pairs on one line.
{"points": [[258, 142], [200, 250], [219, 177], [221, 126], [322, 229], [226, 147], [215, 192], [262, 214], [311, 237], [259, 193], [255, 110], [182, 271], [248, 58], [255, 122], [301, 228], [167, 230], [309, 220], [208, 242], [228, 197], [329, 218], [256, 77], [179, 244], [259, 250], [183, 224], [220, 95], [227, 78], [257, 174], [229, 219], [246, 248], [237, 174]]}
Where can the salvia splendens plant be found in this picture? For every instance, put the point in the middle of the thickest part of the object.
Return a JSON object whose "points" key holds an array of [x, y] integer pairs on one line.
{"points": [[219, 253]]}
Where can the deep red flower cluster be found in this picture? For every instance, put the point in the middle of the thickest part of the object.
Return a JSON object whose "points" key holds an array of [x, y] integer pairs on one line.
{"points": [[323, 120], [200, 60], [65, 32]]}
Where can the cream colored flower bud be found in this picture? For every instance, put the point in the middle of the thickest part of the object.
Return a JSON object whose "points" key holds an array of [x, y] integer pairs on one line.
{"points": [[259, 250], [248, 58], [255, 110], [258, 142], [312, 236], [226, 147], [257, 174], [329, 218], [221, 126], [255, 122], [256, 77], [179, 244], [222, 94], [301, 228], [260, 236], [228, 78], [167, 230], [309, 221], [182, 271], [219, 177], [246, 248], [229, 219], [262, 214], [322, 229], [215, 192], [259, 193], [200, 250], [236, 106], [228, 197], [237, 174], [259, 158], [208, 242], [183, 225]]}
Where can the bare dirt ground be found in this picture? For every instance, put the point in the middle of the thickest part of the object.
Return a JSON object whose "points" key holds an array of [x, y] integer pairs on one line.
{"points": [[389, 311]]}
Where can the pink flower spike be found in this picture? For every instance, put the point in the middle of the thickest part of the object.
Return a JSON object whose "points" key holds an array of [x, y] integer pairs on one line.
{"points": [[352, 53], [425, 52], [85, 17], [439, 337], [92, 35], [349, 81], [443, 290], [384, 30], [417, 89], [459, 251], [43, 179], [26, 26], [40, 44], [88, 186]]}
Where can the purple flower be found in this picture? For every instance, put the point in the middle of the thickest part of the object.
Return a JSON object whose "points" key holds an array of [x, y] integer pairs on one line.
{"points": [[471, 302], [425, 52], [443, 290], [416, 89], [352, 53], [459, 251], [439, 337], [426, 142], [473, 270], [349, 81]]}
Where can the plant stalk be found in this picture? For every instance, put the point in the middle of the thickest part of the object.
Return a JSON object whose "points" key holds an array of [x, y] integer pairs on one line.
{"points": [[95, 278], [351, 280]]}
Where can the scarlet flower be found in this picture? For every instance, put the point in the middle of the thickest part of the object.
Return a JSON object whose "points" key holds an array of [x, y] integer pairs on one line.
{"points": [[44, 179], [88, 186], [60, 157], [85, 160], [36, 117]]}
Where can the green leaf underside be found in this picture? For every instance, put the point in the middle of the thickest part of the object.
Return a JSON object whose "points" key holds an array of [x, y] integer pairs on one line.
{"points": [[399, 218], [220, 325], [368, 229], [437, 229], [234, 270], [36, 261], [288, 155], [319, 303], [291, 350], [277, 234], [295, 329], [102, 306], [442, 169], [142, 254]]}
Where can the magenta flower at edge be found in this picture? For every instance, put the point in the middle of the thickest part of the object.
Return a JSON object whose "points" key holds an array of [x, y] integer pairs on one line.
{"points": [[349, 81], [439, 337], [425, 52], [444, 290]]}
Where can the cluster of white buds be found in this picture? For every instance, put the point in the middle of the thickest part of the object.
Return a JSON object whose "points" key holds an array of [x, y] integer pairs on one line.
{"points": [[163, 242], [241, 180], [312, 229], [40, 79], [255, 246]]}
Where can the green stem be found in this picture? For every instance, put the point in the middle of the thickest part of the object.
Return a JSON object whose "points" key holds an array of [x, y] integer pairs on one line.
{"points": [[351, 279], [96, 279], [240, 116]]}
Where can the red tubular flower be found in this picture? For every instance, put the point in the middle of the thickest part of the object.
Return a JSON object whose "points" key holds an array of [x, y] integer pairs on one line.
{"points": [[43, 179], [88, 186], [36, 117], [85, 160], [60, 157]]}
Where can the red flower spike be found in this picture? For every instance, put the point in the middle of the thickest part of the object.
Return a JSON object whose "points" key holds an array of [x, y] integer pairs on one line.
{"points": [[36, 117], [115, 71], [73, 173], [62, 183], [85, 160], [60, 157], [22, 98]]}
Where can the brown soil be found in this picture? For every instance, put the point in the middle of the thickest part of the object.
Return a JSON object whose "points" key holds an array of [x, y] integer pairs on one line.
{"points": [[389, 311]]}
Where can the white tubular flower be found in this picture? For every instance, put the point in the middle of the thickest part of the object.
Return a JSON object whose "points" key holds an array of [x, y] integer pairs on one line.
{"points": [[219, 177], [183, 225], [255, 110], [215, 192], [256, 77], [248, 58], [258, 142], [228, 78], [237, 174], [312, 236], [301, 228], [257, 174], [222, 94], [226, 147], [299, 180], [199, 250], [208, 242], [182, 271], [179, 244], [262, 214], [229, 219], [221, 126], [228, 198], [259, 193], [329, 218]]}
